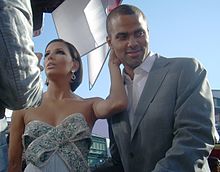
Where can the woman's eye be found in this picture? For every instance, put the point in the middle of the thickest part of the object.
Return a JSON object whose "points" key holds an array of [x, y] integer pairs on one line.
{"points": [[60, 52], [54, 53], [45, 55]]}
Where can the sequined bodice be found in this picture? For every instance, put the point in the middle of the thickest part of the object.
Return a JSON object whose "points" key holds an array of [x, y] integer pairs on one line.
{"points": [[71, 140]]}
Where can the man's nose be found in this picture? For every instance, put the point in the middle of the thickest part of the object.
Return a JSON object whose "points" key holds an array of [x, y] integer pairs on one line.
{"points": [[132, 41]]}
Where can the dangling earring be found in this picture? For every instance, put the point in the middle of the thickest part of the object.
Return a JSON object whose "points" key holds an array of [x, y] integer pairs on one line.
{"points": [[46, 82], [73, 77]]}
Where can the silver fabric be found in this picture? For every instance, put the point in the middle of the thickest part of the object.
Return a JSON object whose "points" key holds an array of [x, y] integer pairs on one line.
{"points": [[66, 144]]}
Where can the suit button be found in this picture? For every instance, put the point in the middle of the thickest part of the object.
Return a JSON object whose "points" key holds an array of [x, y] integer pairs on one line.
{"points": [[131, 154]]}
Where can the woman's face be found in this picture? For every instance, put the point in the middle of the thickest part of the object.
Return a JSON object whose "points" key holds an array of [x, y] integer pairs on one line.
{"points": [[58, 61]]}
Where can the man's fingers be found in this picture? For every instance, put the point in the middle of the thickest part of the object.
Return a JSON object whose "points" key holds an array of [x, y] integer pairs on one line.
{"points": [[39, 56]]}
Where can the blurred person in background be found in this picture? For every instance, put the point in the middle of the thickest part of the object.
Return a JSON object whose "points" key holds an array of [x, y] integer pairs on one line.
{"points": [[20, 85]]}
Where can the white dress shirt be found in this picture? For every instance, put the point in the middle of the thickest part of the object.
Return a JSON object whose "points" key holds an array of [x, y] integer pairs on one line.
{"points": [[135, 87], [3, 124]]}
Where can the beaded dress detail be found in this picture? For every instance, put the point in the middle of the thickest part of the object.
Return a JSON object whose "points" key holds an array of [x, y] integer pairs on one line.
{"points": [[64, 147]]}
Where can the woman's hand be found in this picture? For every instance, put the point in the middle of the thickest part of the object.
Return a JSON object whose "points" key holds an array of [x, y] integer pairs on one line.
{"points": [[113, 60]]}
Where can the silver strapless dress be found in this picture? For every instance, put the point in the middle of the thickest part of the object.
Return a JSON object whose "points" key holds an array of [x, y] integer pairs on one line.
{"points": [[63, 148]]}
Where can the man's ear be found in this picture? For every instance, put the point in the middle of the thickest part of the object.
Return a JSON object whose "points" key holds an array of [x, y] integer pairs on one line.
{"points": [[108, 40]]}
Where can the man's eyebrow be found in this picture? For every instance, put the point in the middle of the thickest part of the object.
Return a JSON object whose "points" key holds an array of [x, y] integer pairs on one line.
{"points": [[138, 30]]}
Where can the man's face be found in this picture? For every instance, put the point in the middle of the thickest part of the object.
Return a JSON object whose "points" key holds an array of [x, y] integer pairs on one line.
{"points": [[129, 38]]}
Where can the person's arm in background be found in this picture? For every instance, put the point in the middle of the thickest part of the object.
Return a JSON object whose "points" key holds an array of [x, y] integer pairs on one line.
{"points": [[20, 85], [15, 141]]}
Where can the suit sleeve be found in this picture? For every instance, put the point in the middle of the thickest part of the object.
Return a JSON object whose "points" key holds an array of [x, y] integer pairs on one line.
{"points": [[116, 159], [193, 129]]}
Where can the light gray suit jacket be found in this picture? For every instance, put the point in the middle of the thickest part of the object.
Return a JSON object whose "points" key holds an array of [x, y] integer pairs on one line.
{"points": [[173, 130]]}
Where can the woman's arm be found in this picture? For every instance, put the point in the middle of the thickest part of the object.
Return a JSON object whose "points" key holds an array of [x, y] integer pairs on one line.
{"points": [[117, 99], [15, 141]]}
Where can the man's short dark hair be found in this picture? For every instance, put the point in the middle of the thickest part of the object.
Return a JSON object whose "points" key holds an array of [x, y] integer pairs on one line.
{"points": [[124, 9]]}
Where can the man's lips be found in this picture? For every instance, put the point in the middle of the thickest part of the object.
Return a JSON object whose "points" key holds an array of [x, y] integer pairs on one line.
{"points": [[134, 52]]}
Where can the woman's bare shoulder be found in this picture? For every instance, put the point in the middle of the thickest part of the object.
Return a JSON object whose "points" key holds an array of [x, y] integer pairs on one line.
{"points": [[93, 99], [20, 112]]}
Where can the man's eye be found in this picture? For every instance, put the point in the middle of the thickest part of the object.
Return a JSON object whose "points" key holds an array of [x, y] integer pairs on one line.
{"points": [[121, 37], [140, 33]]}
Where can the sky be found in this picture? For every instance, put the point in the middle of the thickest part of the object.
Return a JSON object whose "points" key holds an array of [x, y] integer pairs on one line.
{"points": [[183, 28]]}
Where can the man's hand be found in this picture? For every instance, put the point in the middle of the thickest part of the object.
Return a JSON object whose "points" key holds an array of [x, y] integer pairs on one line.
{"points": [[39, 56]]}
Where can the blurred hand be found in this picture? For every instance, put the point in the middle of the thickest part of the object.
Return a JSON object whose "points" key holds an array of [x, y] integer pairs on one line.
{"points": [[39, 56]]}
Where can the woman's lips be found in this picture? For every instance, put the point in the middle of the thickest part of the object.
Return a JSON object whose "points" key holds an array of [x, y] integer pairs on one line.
{"points": [[50, 65]]}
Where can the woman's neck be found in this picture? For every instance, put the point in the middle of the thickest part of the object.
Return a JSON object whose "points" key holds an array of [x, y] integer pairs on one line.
{"points": [[59, 91]]}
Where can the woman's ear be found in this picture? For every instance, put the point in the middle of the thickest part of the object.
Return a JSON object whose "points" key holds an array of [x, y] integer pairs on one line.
{"points": [[75, 66]]}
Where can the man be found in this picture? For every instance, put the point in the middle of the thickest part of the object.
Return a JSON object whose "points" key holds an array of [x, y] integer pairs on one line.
{"points": [[169, 124], [20, 85]]}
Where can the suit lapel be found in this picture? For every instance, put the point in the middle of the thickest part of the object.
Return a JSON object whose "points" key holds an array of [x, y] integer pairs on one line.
{"points": [[154, 81]]}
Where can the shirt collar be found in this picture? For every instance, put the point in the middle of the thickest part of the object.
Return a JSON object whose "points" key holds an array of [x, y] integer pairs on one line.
{"points": [[145, 66], [127, 79]]}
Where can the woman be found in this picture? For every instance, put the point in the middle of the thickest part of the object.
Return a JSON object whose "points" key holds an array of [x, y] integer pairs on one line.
{"points": [[56, 135]]}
